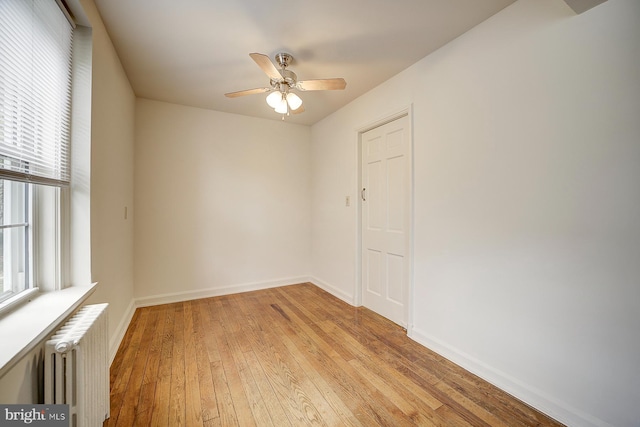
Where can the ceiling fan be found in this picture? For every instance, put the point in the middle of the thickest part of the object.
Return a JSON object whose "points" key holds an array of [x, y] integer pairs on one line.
{"points": [[283, 81]]}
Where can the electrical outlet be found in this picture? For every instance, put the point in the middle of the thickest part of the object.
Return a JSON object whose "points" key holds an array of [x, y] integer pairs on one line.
{"points": [[347, 201]]}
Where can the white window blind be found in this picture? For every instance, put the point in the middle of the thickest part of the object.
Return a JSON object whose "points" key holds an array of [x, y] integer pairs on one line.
{"points": [[35, 92]]}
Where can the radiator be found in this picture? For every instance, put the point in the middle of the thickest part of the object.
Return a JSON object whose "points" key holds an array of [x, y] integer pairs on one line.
{"points": [[76, 367]]}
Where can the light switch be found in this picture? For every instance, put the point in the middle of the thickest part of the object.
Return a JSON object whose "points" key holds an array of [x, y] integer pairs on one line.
{"points": [[347, 201]]}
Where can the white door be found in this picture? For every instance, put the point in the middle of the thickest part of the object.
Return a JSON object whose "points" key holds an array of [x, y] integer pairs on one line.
{"points": [[386, 219]]}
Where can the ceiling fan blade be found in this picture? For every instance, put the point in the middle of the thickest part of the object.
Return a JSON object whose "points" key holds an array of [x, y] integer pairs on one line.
{"points": [[267, 66], [247, 92], [299, 110], [322, 84]]}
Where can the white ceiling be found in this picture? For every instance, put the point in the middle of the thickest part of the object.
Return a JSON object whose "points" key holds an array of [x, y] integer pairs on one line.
{"points": [[192, 52]]}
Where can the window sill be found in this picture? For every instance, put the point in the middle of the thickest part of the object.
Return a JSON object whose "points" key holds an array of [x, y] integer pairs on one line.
{"points": [[25, 327], [15, 301]]}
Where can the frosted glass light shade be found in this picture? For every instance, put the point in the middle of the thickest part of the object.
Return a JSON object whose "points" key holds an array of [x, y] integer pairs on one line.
{"points": [[294, 101], [282, 108], [274, 99]]}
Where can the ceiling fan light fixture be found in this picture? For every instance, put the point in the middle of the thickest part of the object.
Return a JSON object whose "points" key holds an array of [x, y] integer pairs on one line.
{"points": [[281, 81], [274, 99], [294, 101]]}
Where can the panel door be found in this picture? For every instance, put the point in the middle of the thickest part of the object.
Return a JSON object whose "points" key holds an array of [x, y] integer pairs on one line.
{"points": [[386, 219]]}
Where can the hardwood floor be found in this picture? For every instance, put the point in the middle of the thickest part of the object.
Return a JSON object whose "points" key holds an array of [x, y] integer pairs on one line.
{"points": [[292, 356]]}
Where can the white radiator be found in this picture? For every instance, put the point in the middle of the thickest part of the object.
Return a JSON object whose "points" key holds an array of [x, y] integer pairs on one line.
{"points": [[76, 367]]}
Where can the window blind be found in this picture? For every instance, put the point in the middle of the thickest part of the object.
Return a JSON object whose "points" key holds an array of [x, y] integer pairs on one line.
{"points": [[35, 92]]}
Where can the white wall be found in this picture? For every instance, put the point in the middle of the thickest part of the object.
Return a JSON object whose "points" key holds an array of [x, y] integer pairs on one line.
{"points": [[20, 384], [112, 149], [222, 202], [526, 204]]}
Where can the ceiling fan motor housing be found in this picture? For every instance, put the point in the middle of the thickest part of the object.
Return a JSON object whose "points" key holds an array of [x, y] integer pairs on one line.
{"points": [[289, 77]]}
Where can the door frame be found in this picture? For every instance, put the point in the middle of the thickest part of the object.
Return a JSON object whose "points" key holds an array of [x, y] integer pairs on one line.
{"points": [[387, 118]]}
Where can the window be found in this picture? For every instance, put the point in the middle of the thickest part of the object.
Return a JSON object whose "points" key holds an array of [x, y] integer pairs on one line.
{"points": [[16, 241], [35, 125]]}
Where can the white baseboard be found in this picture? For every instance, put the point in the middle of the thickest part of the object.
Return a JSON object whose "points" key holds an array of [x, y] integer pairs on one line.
{"points": [[338, 293], [215, 292], [549, 405], [116, 339]]}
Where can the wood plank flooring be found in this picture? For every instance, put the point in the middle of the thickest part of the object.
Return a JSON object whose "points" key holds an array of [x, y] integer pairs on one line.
{"points": [[292, 356]]}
